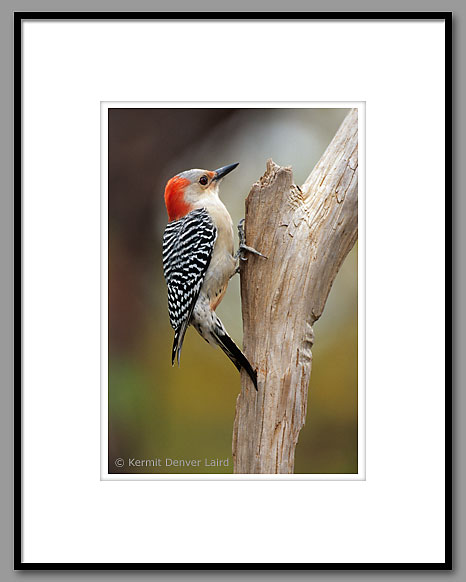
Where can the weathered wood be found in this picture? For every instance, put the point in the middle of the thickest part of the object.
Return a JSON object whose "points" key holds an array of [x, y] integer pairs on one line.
{"points": [[306, 233]]}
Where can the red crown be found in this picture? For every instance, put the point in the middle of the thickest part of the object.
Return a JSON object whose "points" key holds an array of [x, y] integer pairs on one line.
{"points": [[174, 198]]}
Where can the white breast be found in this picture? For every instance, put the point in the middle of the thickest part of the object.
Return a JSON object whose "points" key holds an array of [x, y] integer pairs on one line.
{"points": [[222, 264]]}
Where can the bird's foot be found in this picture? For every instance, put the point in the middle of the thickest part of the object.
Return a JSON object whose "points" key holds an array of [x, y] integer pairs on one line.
{"points": [[243, 247]]}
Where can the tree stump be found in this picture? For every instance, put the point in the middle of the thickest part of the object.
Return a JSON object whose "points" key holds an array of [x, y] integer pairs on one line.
{"points": [[306, 232]]}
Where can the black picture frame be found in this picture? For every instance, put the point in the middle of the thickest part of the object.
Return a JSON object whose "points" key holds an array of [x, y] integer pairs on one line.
{"points": [[19, 17]]}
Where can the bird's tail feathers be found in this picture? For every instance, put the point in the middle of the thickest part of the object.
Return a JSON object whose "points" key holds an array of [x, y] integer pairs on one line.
{"points": [[224, 341], [234, 353], [178, 343]]}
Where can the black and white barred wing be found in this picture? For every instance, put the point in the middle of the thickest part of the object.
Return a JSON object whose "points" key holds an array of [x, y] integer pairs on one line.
{"points": [[187, 249]]}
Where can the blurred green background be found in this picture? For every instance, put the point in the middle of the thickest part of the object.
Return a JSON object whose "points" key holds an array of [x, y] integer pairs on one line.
{"points": [[156, 411]]}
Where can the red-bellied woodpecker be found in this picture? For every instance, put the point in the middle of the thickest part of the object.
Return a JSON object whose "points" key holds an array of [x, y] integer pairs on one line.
{"points": [[199, 259]]}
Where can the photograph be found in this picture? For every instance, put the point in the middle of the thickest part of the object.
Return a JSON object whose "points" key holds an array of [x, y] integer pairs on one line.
{"points": [[224, 274], [232, 239]]}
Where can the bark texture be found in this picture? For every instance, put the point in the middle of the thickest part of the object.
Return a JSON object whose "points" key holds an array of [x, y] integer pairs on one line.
{"points": [[306, 232]]}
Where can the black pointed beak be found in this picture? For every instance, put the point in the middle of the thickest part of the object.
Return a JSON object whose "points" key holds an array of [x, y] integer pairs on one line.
{"points": [[221, 172]]}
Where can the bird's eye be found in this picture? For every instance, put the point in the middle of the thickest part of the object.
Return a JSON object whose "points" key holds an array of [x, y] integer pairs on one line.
{"points": [[203, 180]]}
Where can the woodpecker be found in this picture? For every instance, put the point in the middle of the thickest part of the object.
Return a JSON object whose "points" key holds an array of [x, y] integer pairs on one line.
{"points": [[199, 259]]}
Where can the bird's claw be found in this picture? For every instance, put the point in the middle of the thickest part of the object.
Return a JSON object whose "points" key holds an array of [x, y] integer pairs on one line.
{"points": [[243, 247], [241, 235]]}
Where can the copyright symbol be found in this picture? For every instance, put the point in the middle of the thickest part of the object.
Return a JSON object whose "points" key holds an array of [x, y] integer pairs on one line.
{"points": [[119, 462]]}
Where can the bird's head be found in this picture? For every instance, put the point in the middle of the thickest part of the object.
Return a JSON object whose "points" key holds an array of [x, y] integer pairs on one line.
{"points": [[189, 189]]}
